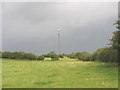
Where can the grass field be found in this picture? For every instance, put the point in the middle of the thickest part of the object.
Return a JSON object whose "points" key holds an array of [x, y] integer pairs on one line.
{"points": [[0, 73], [58, 74]]}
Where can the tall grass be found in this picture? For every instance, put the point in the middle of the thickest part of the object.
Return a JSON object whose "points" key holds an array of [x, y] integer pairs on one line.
{"points": [[58, 74]]}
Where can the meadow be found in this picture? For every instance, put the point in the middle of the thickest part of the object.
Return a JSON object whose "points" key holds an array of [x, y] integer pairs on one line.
{"points": [[0, 73], [64, 73]]}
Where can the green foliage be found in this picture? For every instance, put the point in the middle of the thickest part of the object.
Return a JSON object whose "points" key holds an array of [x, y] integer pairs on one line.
{"points": [[105, 55], [19, 55], [30, 56], [101, 54], [40, 58], [0, 54], [84, 56], [118, 24], [55, 57], [61, 55], [115, 41], [52, 55], [72, 55], [49, 54]]}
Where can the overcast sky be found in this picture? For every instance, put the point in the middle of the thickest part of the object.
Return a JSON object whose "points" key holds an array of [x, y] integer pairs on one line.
{"points": [[32, 26]]}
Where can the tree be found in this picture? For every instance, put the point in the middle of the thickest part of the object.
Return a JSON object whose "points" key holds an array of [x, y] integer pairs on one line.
{"points": [[85, 56], [0, 54], [115, 41], [55, 57], [30, 56], [72, 55], [6, 54], [52, 55], [40, 58], [105, 55], [61, 55]]}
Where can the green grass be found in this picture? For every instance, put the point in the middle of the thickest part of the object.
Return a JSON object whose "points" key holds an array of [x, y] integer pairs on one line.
{"points": [[58, 74], [0, 73]]}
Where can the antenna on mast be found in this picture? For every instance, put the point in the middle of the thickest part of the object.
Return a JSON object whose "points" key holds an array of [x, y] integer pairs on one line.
{"points": [[58, 40]]}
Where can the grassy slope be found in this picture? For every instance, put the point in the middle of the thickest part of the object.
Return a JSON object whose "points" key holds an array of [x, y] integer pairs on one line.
{"points": [[58, 74]]}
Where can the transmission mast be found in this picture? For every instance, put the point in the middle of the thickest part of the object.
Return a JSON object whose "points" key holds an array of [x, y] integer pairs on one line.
{"points": [[58, 40]]}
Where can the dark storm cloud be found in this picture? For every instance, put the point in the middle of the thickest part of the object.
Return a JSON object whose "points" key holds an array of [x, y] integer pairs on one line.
{"points": [[33, 26], [0, 26]]}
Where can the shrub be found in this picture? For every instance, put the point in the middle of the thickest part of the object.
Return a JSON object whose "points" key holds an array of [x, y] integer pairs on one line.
{"points": [[30, 56], [0, 54], [105, 55], [72, 55], [55, 57], [52, 55], [61, 55], [40, 58]]}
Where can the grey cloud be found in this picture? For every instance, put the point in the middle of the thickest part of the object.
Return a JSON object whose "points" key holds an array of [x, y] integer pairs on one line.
{"points": [[33, 26]]}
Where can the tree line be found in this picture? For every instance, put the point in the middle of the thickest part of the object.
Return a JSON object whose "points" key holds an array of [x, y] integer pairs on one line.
{"points": [[110, 53], [102, 54], [28, 56]]}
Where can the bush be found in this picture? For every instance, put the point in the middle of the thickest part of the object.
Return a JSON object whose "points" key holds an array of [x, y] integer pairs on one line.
{"points": [[55, 57], [52, 55], [40, 58], [61, 55], [83, 56], [72, 55], [6, 54], [105, 55], [0, 54], [19, 55]]}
